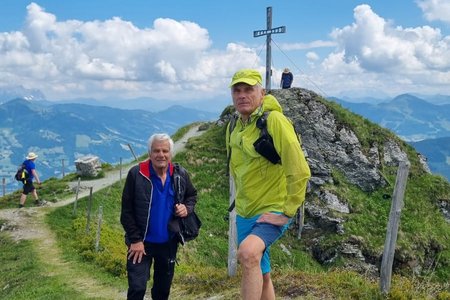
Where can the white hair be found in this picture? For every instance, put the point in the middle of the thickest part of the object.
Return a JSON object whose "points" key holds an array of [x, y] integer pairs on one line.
{"points": [[160, 137]]}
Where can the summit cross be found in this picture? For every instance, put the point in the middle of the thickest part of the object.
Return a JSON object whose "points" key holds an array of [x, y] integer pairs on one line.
{"points": [[268, 32]]}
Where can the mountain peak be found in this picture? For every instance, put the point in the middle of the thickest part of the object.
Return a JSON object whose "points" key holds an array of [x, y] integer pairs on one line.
{"points": [[12, 92]]}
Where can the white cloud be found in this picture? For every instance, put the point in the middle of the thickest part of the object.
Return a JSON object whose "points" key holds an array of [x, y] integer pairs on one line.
{"points": [[175, 60], [68, 59], [311, 45], [435, 10], [372, 53], [313, 56]]}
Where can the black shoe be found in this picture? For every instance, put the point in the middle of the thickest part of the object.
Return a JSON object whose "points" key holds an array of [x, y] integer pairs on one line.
{"points": [[20, 205], [39, 202]]}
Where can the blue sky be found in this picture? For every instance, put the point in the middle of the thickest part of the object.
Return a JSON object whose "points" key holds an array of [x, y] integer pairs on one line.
{"points": [[188, 50]]}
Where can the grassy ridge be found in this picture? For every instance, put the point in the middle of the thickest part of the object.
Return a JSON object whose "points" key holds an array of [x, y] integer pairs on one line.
{"points": [[202, 263], [202, 269]]}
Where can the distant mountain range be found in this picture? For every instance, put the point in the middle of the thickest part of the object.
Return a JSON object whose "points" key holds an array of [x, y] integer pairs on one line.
{"points": [[422, 120], [214, 105], [424, 125], [410, 117], [69, 131]]}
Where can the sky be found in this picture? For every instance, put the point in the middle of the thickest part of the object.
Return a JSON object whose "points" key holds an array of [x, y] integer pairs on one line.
{"points": [[189, 50]]}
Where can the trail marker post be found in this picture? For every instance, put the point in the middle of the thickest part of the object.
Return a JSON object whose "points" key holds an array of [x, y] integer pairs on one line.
{"points": [[392, 229]]}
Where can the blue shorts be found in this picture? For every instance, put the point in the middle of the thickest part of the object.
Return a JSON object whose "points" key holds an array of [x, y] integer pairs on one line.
{"points": [[267, 232]]}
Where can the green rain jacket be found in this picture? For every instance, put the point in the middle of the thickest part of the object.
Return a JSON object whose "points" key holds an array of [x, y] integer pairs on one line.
{"points": [[260, 185]]}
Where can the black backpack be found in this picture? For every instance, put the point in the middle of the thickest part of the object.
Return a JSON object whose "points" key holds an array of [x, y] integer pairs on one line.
{"points": [[22, 174], [189, 225]]}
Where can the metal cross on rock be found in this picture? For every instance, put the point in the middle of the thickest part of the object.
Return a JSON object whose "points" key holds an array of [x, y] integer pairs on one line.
{"points": [[268, 32]]}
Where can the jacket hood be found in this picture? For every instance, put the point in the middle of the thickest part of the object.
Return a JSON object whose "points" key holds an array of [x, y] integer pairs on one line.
{"points": [[271, 103]]}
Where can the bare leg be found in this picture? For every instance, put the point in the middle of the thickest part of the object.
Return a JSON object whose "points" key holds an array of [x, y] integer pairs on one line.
{"points": [[268, 292], [23, 198], [249, 254], [35, 195]]}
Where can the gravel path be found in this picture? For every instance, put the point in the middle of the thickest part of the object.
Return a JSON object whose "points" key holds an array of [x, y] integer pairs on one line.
{"points": [[28, 223]]}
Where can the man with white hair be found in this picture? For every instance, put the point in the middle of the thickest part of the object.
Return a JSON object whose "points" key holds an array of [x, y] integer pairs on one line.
{"points": [[156, 194], [28, 186]]}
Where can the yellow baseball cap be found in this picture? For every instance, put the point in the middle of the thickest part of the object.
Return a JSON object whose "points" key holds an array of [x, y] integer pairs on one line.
{"points": [[248, 76]]}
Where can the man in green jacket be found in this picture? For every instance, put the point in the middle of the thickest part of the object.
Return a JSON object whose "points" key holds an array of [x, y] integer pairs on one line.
{"points": [[267, 195]]}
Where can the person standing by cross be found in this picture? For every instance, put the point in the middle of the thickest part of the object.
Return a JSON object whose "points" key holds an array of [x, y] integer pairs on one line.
{"points": [[286, 79]]}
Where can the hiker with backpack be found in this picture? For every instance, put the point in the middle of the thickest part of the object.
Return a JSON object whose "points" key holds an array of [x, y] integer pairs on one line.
{"points": [[157, 196], [268, 193], [28, 187]]}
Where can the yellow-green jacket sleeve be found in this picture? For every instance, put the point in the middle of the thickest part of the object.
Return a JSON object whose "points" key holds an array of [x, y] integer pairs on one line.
{"points": [[293, 161]]}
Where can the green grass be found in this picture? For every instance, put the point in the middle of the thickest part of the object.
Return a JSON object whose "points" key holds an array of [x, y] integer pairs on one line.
{"points": [[202, 263], [202, 269], [22, 276]]}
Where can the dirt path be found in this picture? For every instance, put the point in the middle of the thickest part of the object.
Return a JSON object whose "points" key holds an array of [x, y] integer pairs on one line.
{"points": [[29, 223]]}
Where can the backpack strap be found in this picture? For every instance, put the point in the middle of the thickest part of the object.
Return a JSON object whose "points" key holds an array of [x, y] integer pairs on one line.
{"points": [[176, 178], [261, 123]]}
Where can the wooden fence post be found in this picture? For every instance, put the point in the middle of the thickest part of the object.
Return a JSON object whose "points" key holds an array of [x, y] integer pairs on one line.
{"points": [[120, 169], [4, 186], [62, 165], [132, 152], [88, 220], [76, 198], [99, 228], [392, 229], [232, 234]]}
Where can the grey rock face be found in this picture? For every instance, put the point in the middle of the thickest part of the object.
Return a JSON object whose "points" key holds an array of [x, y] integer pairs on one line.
{"points": [[329, 145], [393, 155], [88, 166]]}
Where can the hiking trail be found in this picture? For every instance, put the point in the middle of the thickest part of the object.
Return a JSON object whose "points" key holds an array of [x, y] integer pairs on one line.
{"points": [[29, 224]]}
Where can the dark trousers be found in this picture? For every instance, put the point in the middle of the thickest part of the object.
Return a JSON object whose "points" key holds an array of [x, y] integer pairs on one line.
{"points": [[163, 258]]}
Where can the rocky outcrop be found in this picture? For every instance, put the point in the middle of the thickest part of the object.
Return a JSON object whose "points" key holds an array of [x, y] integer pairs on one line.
{"points": [[330, 144], [88, 166]]}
